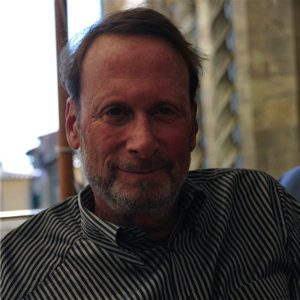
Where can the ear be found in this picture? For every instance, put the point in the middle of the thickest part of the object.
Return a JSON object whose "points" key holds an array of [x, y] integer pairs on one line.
{"points": [[194, 128], [72, 130]]}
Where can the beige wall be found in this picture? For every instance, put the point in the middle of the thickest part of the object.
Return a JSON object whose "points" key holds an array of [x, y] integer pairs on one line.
{"points": [[15, 194]]}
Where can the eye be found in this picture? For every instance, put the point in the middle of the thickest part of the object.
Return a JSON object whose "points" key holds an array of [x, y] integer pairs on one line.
{"points": [[115, 111], [166, 114], [115, 115], [164, 111]]}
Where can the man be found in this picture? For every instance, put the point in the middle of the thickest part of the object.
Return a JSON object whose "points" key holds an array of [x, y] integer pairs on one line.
{"points": [[291, 181], [145, 228]]}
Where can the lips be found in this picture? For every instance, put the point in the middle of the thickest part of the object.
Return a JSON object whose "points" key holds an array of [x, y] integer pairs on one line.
{"points": [[141, 171], [142, 174]]}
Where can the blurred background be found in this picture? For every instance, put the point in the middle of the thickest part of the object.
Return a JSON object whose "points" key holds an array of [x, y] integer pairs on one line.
{"points": [[249, 100]]}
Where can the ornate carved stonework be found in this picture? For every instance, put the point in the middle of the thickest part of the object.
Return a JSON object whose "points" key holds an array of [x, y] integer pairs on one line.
{"points": [[249, 106]]}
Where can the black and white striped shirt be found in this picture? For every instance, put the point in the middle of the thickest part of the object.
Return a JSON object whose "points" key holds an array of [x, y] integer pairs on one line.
{"points": [[238, 237]]}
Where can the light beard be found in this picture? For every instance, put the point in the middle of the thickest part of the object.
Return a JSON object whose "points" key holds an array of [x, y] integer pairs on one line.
{"points": [[131, 197]]}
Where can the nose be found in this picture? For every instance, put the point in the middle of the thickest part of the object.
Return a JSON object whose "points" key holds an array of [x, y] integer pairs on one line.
{"points": [[142, 139]]}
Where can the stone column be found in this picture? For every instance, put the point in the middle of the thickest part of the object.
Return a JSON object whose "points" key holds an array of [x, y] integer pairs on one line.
{"points": [[218, 93]]}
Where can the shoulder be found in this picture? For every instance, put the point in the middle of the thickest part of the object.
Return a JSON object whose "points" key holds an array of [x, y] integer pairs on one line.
{"points": [[250, 212], [229, 176], [48, 220], [243, 188], [35, 248], [252, 192]]}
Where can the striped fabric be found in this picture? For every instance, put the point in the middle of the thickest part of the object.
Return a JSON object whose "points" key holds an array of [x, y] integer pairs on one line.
{"points": [[238, 237]]}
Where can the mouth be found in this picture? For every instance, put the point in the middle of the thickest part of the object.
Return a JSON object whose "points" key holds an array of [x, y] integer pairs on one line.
{"points": [[141, 171]]}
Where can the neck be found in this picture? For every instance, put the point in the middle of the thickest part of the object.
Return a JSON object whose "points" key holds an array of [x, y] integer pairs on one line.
{"points": [[155, 224]]}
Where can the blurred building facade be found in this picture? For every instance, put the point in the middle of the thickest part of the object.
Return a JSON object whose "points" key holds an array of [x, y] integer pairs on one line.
{"points": [[16, 192], [249, 102], [44, 158]]}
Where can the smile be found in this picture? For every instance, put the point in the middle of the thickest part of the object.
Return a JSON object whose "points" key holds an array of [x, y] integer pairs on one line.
{"points": [[141, 171]]}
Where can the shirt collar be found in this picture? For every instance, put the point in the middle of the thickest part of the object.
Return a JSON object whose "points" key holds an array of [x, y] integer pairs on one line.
{"points": [[92, 226], [196, 199], [188, 192]]}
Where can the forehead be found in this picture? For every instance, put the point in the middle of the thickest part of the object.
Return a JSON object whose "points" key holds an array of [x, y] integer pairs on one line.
{"points": [[126, 65], [134, 53]]}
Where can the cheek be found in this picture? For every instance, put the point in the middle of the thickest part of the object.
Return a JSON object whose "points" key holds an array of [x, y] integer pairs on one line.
{"points": [[177, 143], [103, 144]]}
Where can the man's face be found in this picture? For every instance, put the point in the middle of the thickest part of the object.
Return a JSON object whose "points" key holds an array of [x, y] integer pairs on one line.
{"points": [[137, 127]]}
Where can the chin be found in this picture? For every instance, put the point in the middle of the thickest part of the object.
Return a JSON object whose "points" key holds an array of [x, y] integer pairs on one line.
{"points": [[141, 197]]}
